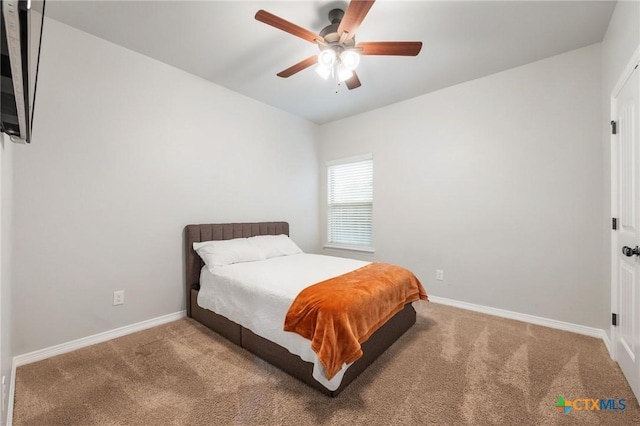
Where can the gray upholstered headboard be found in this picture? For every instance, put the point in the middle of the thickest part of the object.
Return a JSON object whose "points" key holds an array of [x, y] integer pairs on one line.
{"points": [[219, 231]]}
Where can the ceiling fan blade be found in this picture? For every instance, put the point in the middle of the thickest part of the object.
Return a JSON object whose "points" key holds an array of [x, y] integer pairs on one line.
{"points": [[392, 48], [353, 82], [298, 67], [353, 17], [286, 26]]}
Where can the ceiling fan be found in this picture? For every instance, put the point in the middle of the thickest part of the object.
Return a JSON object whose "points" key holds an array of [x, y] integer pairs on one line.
{"points": [[339, 54]]}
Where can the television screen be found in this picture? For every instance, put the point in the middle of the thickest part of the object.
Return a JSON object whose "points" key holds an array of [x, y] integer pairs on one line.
{"points": [[21, 24]]}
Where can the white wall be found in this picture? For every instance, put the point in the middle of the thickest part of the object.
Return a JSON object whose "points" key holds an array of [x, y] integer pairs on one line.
{"points": [[103, 193], [6, 202], [619, 44], [498, 181], [127, 151]]}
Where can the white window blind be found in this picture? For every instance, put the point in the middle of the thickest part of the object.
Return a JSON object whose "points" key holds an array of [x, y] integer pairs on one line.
{"points": [[350, 202]]}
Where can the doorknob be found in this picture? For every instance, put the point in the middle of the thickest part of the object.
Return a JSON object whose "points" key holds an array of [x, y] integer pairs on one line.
{"points": [[628, 251]]}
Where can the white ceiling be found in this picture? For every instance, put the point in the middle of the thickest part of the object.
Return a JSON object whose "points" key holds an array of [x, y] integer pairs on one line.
{"points": [[222, 42]]}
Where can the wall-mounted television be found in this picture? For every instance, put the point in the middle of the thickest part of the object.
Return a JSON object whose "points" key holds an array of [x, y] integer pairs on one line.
{"points": [[21, 23]]}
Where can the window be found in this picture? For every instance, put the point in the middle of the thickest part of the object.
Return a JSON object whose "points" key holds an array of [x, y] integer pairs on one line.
{"points": [[350, 203]]}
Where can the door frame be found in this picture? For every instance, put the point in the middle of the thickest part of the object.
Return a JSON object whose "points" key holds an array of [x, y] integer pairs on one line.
{"points": [[626, 74], [2, 153]]}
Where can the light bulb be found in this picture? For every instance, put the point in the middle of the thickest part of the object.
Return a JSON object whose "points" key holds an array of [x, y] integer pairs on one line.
{"points": [[327, 58], [350, 59], [323, 71], [344, 73]]}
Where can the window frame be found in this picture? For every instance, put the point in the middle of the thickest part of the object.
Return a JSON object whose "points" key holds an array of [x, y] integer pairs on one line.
{"points": [[339, 246]]}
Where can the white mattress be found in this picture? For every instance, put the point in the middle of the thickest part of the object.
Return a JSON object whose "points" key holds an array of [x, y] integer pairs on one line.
{"points": [[257, 295]]}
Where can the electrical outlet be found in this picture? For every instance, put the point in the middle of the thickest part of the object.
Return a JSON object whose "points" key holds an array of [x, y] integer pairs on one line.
{"points": [[439, 275], [118, 297]]}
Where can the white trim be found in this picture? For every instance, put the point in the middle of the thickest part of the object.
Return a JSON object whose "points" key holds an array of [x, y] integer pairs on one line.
{"points": [[607, 344], [2, 283], [628, 70], [613, 255], [362, 249], [12, 387], [353, 159], [532, 319], [62, 348]]}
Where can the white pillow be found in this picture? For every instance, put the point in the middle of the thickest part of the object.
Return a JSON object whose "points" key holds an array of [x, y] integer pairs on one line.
{"points": [[275, 245], [226, 252]]}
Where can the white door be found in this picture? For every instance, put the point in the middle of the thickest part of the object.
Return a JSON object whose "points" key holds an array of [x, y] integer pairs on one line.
{"points": [[626, 112]]}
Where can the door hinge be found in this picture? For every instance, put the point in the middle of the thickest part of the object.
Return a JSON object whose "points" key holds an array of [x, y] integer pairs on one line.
{"points": [[614, 319], [614, 223], [613, 127]]}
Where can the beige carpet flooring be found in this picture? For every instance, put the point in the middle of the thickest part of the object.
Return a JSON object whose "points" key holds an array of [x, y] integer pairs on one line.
{"points": [[453, 367]]}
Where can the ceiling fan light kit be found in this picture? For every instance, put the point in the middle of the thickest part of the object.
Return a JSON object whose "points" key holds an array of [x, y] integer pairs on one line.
{"points": [[350, 59], [324, 72], [339, 54], [327, 58], [343, 73], [342, 65]]}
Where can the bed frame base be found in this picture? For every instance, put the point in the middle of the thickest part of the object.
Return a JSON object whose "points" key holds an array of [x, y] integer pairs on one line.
{"points": [[275, 354]]}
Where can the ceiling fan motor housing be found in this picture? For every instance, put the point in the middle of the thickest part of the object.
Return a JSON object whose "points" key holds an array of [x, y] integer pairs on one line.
{"points": [[330, 32]]}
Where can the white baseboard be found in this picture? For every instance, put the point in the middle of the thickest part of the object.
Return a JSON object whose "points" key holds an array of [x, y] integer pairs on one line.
{"points": [[607, 343], [62, 348], [45, 353], [546, 322], [12, 389]]}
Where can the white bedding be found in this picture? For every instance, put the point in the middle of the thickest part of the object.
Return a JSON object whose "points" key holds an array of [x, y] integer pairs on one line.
{"points": [[257, 295]]}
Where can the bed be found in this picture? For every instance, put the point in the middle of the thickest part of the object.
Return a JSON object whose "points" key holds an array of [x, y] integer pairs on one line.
{"points": [[271, 352]]}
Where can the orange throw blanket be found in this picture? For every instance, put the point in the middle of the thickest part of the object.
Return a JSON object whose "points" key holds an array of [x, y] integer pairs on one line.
{"points": [[339, 314]]}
